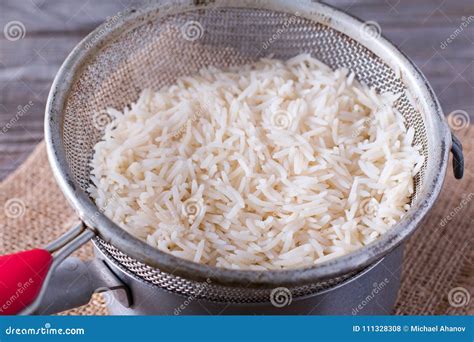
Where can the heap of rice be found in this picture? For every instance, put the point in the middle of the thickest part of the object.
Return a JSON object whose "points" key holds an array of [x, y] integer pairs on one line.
{"points": [[265, 166]]}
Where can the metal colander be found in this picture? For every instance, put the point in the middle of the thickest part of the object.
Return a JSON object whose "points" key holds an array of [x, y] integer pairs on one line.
{"points": [[154, 45]]}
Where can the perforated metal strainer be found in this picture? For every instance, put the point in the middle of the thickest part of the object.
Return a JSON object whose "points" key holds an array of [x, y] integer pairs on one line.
{"points": [[154, 45]]}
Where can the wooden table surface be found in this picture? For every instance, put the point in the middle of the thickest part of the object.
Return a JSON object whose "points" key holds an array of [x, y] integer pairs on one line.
{"points": [[53, 27]]}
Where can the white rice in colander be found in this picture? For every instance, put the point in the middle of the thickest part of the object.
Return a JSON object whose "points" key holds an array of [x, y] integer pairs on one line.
{"points": [[265, 166]]}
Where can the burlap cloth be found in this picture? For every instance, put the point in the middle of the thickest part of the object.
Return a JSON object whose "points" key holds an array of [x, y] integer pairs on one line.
{"points": [[438, 258]]}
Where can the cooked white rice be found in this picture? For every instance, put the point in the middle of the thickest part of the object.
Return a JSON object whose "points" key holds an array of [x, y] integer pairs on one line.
{"points": [[265, 166]]}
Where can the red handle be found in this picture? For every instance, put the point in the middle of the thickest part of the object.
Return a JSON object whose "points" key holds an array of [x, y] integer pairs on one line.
{"points": [[21, 277]]}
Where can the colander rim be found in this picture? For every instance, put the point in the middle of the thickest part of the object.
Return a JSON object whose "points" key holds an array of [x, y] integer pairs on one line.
{"points": [[142, 252]]}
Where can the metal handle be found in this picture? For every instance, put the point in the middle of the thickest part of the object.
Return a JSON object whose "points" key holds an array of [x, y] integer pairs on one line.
{"points": [[58, 251], [75, 281], [458, 158], [70, 282], [25, 275]]}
